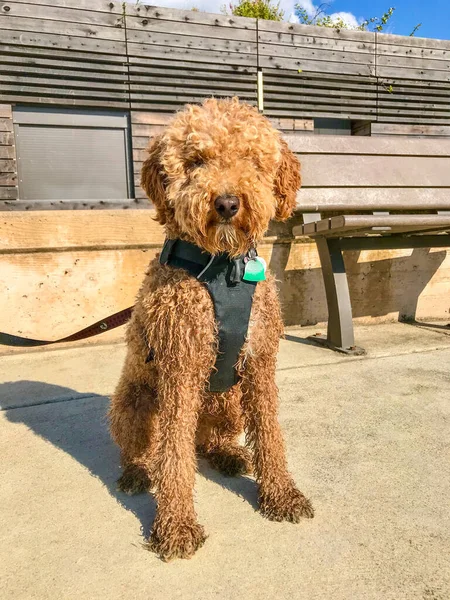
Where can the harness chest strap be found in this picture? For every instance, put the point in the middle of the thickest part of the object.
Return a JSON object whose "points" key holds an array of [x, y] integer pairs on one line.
{"points": [[232, 297]]}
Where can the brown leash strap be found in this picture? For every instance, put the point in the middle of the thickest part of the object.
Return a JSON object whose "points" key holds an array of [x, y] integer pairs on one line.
{"points": [[111, 322]]}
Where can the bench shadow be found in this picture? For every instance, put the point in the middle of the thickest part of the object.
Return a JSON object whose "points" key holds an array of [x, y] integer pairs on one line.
{"points": [[377, 288], [77, 424]]}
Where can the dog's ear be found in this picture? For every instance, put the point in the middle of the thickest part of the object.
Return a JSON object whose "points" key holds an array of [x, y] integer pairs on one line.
{"points": [[153, 179], [287, 183]]}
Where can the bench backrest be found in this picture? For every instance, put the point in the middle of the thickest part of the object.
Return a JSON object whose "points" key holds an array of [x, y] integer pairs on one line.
{"points": [[352, 173]]}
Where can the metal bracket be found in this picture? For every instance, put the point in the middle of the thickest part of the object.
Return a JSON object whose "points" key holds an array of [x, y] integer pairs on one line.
{"points": [[322, 340]]}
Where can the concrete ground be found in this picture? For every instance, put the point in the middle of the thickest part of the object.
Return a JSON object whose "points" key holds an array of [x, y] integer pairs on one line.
{"points": [[368, 441]]}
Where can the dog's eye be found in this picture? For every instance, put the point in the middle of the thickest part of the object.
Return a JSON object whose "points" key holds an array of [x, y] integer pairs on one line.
{"points": [[195, 164]]}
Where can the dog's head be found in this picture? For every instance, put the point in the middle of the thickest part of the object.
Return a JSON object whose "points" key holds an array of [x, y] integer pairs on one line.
{"points": [[218, 174]]}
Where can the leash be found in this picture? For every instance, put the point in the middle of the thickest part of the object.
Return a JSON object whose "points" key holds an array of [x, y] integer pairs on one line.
{"points": [[111, 322]]}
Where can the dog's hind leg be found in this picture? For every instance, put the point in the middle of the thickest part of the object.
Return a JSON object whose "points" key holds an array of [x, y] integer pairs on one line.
{"points": [[218, 434], [133, 424]]}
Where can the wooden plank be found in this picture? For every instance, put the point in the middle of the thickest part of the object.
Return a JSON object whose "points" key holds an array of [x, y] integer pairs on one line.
{"points": [[8, 193], [395, 129], [62, 230], [369, 199], [307, 65], [400, 119], [320, 55], [410, 51], [185, 95], [6, 124], [66, 42], [65, 101], [146, 130], [412, 73], [106, 6], [330, 33], [412, 42], [368, 146], [192, 55], [150, 118], [54, 13], [92, 205], [5, 111], [6, 139], [181, 67], [280, 90], [7, 166], [317, 109], [316, 43], [148, 25], [145, 81], [375, 171], [118, 89], [175, 104], [71, 59], [63, 28], [189, 16], [191, 42], [426, 110], [7, 152], [8, 179], [88, 77], [424, 64], [140, 142], [335, 114], [321, 78], [65, 93]]}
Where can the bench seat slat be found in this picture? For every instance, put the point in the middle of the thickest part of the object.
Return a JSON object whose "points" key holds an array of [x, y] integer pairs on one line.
{"points": [[349, 224], [372, 199]]}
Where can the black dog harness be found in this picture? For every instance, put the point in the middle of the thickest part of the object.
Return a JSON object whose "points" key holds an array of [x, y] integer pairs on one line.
{"points": [[232, 297]]}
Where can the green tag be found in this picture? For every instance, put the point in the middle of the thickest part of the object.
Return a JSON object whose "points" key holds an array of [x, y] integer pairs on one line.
{"points": [[255, 270]]}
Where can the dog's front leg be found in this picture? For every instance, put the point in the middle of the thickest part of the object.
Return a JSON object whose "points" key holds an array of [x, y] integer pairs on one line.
{"points": [[279, 499], [176, 532]]}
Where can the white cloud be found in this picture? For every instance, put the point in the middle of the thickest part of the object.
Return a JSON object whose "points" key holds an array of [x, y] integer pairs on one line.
{"points": [[214, 6]]}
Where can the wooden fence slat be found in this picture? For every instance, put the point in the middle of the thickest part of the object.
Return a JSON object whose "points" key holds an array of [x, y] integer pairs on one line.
{"points": [[66, 101], [67, 14], [6, 139], [9, 179], [86, 78], [7, 166], [191, 17], [106, 6], [412, 73], [68, 84], [67, 42], [52, 56], [43, 26], [7, 152], [158, 26], [148, 118], [191, 42], [309, 65], [325, 55], [412, 42], [193, 55], [8, 193], [315, 43], [52, 91], [394, 129]]}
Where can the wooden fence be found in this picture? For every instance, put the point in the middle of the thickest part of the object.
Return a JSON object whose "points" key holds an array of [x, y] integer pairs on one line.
{"points": [[150, 61]]}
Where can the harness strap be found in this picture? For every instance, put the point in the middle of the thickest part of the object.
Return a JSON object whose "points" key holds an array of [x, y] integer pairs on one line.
{"points": [[111, 322]]}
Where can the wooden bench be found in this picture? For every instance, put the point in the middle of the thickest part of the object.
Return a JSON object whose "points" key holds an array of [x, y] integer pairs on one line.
{"points": [[363, 193]]}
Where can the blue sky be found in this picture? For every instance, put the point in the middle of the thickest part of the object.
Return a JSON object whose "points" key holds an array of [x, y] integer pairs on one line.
{"points": [[434, 14]]}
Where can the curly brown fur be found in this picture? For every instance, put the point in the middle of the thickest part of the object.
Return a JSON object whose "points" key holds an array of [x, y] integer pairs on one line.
{"points": [[161, 411]]}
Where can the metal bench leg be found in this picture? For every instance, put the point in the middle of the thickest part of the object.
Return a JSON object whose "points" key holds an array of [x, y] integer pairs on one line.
{"points": [[340, 334]]}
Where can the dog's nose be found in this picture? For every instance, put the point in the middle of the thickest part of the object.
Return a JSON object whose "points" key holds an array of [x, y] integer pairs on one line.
{"points": [[227, 206]]}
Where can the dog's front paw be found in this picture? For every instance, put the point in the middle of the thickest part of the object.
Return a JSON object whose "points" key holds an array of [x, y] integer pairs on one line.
{"points": [[180, 540], [134, 480], [285, 504], [231, 461]]}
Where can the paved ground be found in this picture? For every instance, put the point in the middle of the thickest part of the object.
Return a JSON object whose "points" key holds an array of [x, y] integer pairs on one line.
{"points": [[368, 440]]}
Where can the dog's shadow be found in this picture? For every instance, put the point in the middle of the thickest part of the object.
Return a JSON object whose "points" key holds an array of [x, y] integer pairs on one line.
{"points": [[77, 424]]}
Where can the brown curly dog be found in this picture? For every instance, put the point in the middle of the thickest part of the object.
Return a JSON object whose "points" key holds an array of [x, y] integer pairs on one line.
{"points": [[162, 411]]}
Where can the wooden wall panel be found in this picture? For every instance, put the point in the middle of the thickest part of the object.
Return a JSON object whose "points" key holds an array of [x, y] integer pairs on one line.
{"points": [[60, 53], [8, 168], [178, 57]]}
